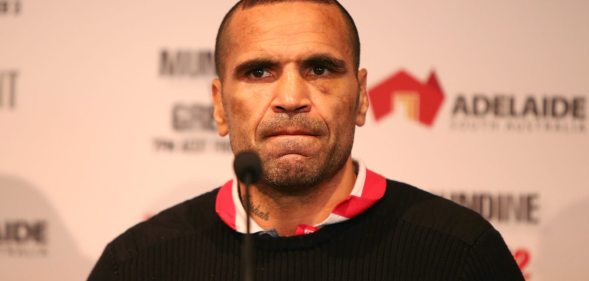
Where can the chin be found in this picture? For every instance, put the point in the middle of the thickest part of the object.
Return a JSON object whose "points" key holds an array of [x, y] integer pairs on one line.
{"points": [[291, 173]]}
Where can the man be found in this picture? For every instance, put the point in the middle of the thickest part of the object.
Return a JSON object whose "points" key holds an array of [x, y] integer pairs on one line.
{"points": [[289, 87]]}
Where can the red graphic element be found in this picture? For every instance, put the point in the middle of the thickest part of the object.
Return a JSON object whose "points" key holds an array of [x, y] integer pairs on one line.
{"points": [[522, 258], [421, 100]]}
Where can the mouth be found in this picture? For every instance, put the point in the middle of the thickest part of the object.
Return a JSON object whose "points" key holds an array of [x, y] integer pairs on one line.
{"points": [[292, 142], [293, 132]]}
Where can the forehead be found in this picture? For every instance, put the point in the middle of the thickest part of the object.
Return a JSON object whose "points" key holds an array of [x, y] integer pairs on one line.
{"points": [[288, 29]]}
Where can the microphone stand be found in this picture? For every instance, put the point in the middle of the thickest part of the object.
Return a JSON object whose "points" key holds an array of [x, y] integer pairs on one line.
{"points": [[248, 261], [248, 169]]}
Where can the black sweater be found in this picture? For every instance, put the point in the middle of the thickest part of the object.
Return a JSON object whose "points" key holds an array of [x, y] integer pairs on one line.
{"points": [[408, 235]]}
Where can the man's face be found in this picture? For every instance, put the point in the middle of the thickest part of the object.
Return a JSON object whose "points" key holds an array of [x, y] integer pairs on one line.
{"points": [[290, 91]]}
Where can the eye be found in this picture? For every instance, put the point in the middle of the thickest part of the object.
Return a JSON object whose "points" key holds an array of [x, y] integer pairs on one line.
{"points": [[258, 73], [319, 70]]}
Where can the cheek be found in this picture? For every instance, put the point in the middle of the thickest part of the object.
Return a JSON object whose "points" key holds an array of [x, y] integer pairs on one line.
{"points": [[246, 110], [338, 108], [240, 116], [339, 115], [336, 100]]}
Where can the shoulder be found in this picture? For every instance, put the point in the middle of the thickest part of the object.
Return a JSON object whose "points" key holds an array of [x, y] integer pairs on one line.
{"points": [[187, 218], [422, 209]]}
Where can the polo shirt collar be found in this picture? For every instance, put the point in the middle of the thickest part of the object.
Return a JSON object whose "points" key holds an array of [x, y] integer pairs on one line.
{"points": [[368, 189]]}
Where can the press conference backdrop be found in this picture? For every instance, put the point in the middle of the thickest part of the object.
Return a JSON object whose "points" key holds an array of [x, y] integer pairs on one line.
{"points": [[105, 119]]}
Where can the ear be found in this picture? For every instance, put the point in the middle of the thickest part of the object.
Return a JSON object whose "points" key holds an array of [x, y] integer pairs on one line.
{"points": [[362, 107], [218, 109]]}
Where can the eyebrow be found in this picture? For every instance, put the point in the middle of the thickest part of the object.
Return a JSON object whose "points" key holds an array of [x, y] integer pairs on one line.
{"points": [[328, 61], [334, 64], [249, 65]]}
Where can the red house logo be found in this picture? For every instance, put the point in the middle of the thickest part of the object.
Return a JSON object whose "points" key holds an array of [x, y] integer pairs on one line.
{"points": [[421, 101]]}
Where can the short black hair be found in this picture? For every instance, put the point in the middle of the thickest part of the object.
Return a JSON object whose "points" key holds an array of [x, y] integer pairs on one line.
{"points": [[245, 4]]}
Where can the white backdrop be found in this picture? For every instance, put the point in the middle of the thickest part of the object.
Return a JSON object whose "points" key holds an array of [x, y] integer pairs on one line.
{"points": [[105, 119]]}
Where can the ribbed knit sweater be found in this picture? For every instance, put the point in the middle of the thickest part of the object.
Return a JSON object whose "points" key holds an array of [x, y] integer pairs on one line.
{"points": [[407, 235]]}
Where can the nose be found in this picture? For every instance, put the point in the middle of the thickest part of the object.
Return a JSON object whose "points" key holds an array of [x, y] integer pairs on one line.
{"points": [[291, 94]]}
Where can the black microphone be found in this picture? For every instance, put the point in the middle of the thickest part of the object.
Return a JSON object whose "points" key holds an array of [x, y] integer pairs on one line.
{"points": [[248, 169]]}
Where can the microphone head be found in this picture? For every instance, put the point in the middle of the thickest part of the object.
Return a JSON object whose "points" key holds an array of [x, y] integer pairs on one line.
{"points": [[248, 166]]}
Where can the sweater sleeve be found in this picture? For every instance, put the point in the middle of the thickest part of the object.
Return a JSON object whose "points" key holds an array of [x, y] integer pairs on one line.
{"points": [[105, 268], [489, 259]]}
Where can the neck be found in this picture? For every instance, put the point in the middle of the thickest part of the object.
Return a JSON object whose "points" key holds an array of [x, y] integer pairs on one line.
{"points": [[284, 212]]}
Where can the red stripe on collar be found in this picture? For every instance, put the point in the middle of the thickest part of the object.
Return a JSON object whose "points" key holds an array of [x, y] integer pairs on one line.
{"points": [[225, 206], [373, 190]]}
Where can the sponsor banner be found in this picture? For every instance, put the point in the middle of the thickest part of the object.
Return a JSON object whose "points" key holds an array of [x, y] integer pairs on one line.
{"points": [[554, 113], [500, 207], [22, 237], [34, 242], [10, 7], [421, 100], [510, 212], [479, 111], [196, 121], [8, 89], [186, 63], [191, 123], [107, 120]]}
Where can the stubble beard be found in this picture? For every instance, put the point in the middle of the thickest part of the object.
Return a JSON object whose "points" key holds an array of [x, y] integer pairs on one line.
{"points": [[299, 177]]}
